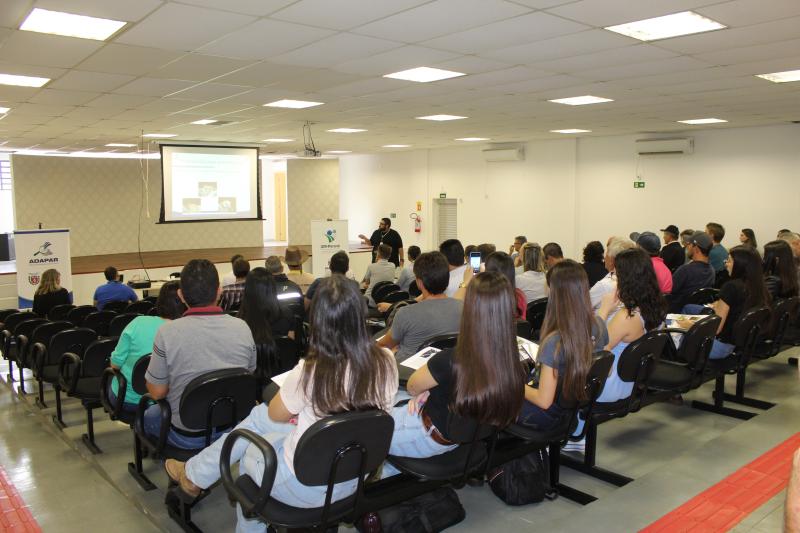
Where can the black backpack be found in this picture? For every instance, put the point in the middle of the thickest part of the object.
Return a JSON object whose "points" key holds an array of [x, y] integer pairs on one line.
{"points": [[524, 480], [429, 513]]}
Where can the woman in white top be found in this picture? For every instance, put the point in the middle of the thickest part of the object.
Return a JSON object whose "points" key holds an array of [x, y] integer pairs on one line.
{"points": [[532, 280], [344, 370]]}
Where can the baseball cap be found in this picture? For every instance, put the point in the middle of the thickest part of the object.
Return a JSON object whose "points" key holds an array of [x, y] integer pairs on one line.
{"points": [[673, 229], [647, 240], [702, 240]]}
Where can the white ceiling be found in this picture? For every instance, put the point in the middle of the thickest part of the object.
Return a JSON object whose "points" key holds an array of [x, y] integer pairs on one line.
{"points": [[180, 61]]}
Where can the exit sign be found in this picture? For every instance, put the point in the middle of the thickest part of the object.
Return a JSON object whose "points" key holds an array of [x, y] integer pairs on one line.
{"points": [[638, 185], [442, 195]]}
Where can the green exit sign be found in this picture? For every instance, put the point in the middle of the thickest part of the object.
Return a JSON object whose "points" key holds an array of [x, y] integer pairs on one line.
{"points": [[638, 185], [442, 195]]}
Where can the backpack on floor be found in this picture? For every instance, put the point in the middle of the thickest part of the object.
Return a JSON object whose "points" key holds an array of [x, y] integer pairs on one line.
{"points": [[524, 480], [429, 513]]}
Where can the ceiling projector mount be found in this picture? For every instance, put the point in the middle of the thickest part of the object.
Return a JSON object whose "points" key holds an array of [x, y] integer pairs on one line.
{"points": [[309, 149]]}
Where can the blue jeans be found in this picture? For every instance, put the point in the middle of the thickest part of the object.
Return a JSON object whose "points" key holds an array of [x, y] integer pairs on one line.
{"points": [[720, 350], [203, 468], [152, 426], [411, 439], [535, 417]]}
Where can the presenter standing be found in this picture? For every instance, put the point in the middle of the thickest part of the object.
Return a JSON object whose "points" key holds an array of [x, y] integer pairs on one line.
{"points": [[386, 235]]}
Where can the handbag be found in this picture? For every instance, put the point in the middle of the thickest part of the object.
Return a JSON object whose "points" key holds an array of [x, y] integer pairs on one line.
{"points": [[523, 480], [428, 513]]}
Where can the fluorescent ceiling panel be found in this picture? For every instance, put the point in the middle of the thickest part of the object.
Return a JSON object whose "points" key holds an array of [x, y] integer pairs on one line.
{"points": [[424, 74], [571, 130], [205, 121], [277, 140], [346, 130], [677, 24], [293, 104], [781, 77], [70, 25], [396, 146], [473, 139], [22, 81], [703, 121], [581, 100], [441, 118], [120, 145], [160, 135]]}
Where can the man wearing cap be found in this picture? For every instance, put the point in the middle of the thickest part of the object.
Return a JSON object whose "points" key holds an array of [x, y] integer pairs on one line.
{"points": [[695, 274], [672, 253], [385, 235], [294, 259], [650, 243]]}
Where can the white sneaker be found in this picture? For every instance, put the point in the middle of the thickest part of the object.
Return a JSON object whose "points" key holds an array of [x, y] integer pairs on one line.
{"points": [[575, 446]]}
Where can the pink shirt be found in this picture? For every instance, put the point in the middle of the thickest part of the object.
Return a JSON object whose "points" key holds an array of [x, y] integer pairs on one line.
{"points": [[663, 275]]}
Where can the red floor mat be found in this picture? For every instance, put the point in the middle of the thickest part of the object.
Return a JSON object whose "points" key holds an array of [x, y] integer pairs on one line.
{"points": [[14, 514]]}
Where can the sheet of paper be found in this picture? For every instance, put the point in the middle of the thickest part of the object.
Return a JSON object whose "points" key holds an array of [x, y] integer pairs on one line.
{"points": [[420, 358], [280, 378], [527, 349], [691, 318]]}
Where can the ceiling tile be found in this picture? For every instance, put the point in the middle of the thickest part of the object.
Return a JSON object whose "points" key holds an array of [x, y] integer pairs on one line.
{"points": [[258, 8], [199, 67], [606, 58], [153, 87], [674, 64], [440, 18], [368, 86], [119, 101], [313, 80], [124, 59], [342, 14], [336, 48], [748, 54], [264, 39], [13, 12], [779, 30], [197, 26], [110, 9], [610, 12], [210, 91], [402, 58], [42, 109], [748, 12], [561, 47], [496, 77], [79, 80], [46, 50], [58, 97]]}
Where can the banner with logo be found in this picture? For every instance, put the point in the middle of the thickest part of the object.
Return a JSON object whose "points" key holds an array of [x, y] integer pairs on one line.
{"points": [[327, 238], [38, 250]]}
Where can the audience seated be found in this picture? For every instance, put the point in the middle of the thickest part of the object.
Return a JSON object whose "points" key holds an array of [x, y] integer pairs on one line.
{"points": [[649, 242], [593, 262], [502, 262], [718, 254], [481, 378], [285, 288], [570, 335], [485, 249], [745, 290], [203, 340], [230, 277], [49, 293], [793, 239], [380, 270], [262, 311], [608, 284], [343, 371], [780, 270], [435, 314], [697, 274], [686, 235], [338, 264], [294, 259], [672, 253], [552, 254], [455, 254], [406, 276], [532, 280], [748, 236], [515, 249], [137, 339], [113, 290], [232, 293]]}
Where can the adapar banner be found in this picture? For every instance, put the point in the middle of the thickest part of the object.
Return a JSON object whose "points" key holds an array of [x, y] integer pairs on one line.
{"points": [[39, 250], [327, 238]]}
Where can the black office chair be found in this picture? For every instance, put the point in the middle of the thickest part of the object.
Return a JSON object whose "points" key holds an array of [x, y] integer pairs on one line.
{"points": [[137, 383], [535, 315], [79, 314], [141, 307], [784, 312], [38, 344], [396, 296], [703, 296], [413, 290], [5, 313], [80, 377], [448, 340], [119, 322], [18, 344], [116, 306], [99, 322], [524, 329], [60, 312], [381, 286], [10, 322], [339, 448]]}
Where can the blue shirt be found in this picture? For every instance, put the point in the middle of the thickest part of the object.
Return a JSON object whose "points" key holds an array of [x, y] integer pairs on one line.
{"points": [[717, 257], [113, 291]]}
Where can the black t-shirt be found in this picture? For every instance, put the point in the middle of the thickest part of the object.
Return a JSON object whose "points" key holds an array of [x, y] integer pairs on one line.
{"points": [[392, 238], [733, 293], [437, 407], [673, 255], [686, 280], [43, 303]]}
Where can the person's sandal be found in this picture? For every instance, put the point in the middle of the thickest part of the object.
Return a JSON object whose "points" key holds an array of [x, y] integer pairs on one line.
{"points": [[176, 470]]}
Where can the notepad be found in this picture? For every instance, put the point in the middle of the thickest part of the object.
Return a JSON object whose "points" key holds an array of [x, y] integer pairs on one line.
{"points": [[527, 349], [419, 359]]}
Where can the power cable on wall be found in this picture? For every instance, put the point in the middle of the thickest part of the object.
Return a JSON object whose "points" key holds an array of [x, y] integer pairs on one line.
{"points": [[144, 197]]}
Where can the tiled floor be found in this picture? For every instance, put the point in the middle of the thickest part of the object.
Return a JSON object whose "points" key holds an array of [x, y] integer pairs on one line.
{"points": [[672, 452]]}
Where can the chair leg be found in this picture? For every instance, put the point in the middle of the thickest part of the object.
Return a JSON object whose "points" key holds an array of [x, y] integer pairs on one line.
{"points": [[58, 419], [588, 465], [40, 400], [135, 468], [181, 511], [565, 491], [718, 405], [10, 376], [741, 399], [88, 437], [792, 361], [21, 386]]}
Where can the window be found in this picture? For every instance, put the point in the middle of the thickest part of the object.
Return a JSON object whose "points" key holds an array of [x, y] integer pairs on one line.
{"points": [[6, 195]]}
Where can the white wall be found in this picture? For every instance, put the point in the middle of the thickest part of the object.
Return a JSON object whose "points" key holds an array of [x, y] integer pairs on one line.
{"points": [[575, 190]]}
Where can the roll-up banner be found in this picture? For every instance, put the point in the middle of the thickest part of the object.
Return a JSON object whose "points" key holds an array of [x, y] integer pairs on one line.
{"points": [[327, 238], [38, 250]]}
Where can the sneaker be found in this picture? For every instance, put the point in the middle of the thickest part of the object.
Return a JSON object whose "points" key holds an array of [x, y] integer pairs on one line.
{"points": [[575, 446], [176, 470]]}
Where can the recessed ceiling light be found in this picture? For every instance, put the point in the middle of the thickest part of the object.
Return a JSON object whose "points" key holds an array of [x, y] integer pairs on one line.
{"points": [[204, 121], [69, 25], [424, 74], [703, 121], [441, 118], [571, 130], [120, 145], [396, 146], [473, 139], [346, 130], [338, 152], [581, 100], [22, 81], [781, 77], [293, 104], [684, 23], [277, 140], [4, 110], [160, 135]]}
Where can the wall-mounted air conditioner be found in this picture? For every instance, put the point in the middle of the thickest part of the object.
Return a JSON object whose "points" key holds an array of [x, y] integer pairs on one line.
{"points": [[504, 154], [665, 146]]}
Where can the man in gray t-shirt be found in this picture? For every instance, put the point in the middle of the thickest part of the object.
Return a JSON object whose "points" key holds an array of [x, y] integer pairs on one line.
{"points": [[435, 314], [380, 270], [203, 340]]}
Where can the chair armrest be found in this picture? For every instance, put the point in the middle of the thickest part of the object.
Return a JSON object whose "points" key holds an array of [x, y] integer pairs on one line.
{"points": [[38, 353], [675, 330], [105, 380], [69, 382], [249, 507], [166, 421], [21, 346]]}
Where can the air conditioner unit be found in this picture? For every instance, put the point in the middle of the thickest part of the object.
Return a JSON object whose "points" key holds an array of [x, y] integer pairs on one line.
{"points": [[665, 146], [504, 154]]}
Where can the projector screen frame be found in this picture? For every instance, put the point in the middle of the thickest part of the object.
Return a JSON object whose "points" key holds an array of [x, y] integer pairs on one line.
{"points": [[259, 213]]}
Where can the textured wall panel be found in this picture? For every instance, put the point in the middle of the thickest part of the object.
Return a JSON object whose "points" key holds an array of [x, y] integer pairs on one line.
{"points": [[313, 194]]}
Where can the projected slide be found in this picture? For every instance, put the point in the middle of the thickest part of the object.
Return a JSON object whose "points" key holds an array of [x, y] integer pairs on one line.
{"points": [[209, 183]]}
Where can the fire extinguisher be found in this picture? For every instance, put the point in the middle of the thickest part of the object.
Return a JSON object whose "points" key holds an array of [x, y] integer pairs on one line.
{"points": [[417, 222]]}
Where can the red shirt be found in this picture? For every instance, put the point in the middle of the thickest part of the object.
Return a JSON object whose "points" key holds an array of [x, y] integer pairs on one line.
{"points": [[663, 275]]}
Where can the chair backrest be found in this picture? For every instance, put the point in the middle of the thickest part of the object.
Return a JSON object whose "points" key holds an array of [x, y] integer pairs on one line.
{"points": [[218, 399], [413, 290], [447, 340], [343, 447], [697, 342], [380, 286], [96, 357], [152, 312], [380, 293], [137, 375], [116, 306], [595, 381], [703, 296], [524, 329], [396, 296], [783, 313], [99, 321], [175, 275], [25, 329], [15, 319], [746, 331], [152, 299], [74, 340], [79, 314], [118, 323], [141, 307], [60, 312], [535, 313], [5, 313], [46, 331], [637, 362]]}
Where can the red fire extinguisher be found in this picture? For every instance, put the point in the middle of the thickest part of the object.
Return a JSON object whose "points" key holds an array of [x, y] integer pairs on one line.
{"points": [[417, 222]]}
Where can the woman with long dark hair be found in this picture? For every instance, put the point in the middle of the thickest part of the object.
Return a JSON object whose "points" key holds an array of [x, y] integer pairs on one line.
{"points": [[344, 370], [49, 293], [501, 262], [594, 262], [261, 310], [748, 237], [481, 378], [570, 334], [780, 271]]}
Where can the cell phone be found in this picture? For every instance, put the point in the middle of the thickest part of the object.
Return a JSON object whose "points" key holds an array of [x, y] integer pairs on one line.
{"points": [[475, 261]]}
